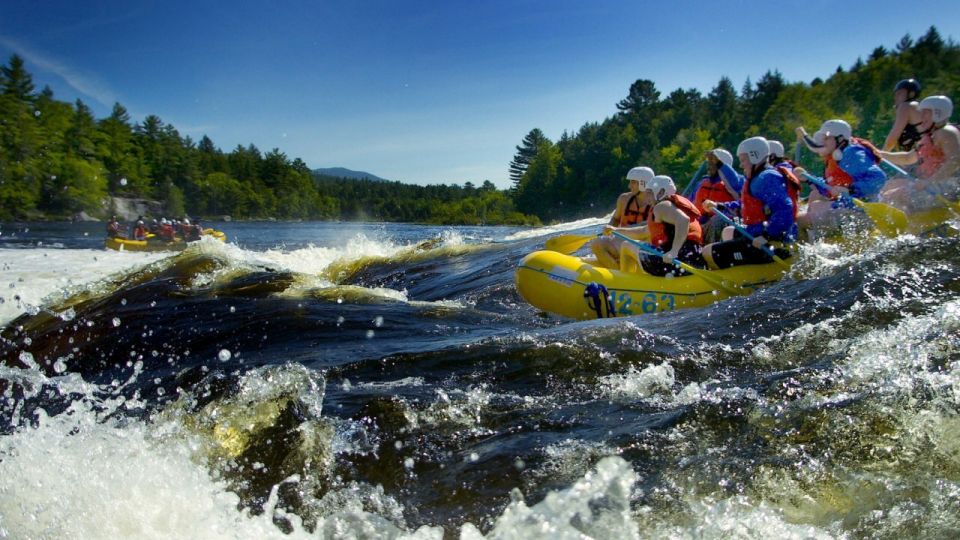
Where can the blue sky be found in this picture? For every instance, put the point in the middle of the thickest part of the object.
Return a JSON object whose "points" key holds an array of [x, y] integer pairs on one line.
{"points": [[425, 92]]}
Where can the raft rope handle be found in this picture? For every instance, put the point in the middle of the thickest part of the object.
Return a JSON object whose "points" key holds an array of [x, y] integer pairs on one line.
{"points": [[592, 293]]}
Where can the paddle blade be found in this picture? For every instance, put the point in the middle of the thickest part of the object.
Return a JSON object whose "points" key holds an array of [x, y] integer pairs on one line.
{"points": [[890, 221], [568, 243]]}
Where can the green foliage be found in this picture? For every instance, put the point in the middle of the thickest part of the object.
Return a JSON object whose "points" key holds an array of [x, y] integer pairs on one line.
{"points": [[585, 171], [57, 160]]}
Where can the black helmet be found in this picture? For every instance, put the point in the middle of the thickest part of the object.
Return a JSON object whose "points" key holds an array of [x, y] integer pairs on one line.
{"points": [[912, 86]]}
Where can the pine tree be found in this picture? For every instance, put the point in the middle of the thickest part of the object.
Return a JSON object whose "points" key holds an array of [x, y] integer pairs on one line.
{"points": [[17, 82], [525, 153], [642, 99]]}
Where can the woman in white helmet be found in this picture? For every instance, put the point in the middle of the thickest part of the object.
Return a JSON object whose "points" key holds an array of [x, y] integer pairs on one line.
{"points": [[673, 226], [767, 206], [627, 217], [937, 159], [851, 168]]}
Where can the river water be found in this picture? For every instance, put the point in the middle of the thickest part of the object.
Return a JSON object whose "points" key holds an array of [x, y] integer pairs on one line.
{"points": [[342, 380]]}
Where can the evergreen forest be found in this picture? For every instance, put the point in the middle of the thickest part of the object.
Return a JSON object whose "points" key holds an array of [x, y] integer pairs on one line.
{"points": [[57, 160], [582, 173]]}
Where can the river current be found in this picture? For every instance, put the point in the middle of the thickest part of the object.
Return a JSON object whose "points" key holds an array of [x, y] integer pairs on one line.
{"points": [[343, 380]]}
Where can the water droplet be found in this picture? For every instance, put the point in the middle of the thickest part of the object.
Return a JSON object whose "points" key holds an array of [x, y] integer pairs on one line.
{"points": [[474, 456], [27, 359], [378, 321], [123, 181], [369, 334], [233, 309], [123, 301], [408, 463], [116, 321], [224, 355], [59, 366]]}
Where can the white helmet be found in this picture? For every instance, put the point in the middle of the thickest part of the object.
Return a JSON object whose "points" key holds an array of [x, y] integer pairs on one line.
{"points": [[836, 128], [756, 148], [662, 186], [641, 174], [776, 149], [941, 106], [723, 156]]}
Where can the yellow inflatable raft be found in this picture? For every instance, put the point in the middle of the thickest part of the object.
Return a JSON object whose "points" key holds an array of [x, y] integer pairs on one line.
{"points": [[568, 286], [154, 244]]}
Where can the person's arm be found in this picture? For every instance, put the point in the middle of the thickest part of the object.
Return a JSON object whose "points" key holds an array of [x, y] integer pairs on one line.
{"points": [[903, 116], [771, 190], [731, 179], [810, 142], [900, 158], [618, 211], [867, 177], [666, 212]]}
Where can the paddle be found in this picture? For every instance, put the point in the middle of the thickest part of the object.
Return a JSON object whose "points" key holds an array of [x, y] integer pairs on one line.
{"points": [[889, 220], [694, 181], [568, 243], [741, 230], [705, 275], [951, 205]]}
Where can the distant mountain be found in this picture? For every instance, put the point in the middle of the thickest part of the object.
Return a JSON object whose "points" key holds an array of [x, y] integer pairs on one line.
{"points": [[341, 172]]}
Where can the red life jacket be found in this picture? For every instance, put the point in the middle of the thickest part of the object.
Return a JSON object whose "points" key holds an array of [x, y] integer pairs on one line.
{"points": [[166, 232], [658, 231], [931, 156], [634, 215], [752, 209], [711, 191]]}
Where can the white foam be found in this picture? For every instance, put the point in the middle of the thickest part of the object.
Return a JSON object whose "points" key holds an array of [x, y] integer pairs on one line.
{"points": [[562, 227], [596, 506], [32, 276]]}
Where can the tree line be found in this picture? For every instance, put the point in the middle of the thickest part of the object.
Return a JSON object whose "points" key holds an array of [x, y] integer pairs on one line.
{"points": [[57, 160], [582, 173]]}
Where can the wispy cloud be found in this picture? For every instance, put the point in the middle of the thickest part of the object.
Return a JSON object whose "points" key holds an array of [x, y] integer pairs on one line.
{"points": [[86, 84]]}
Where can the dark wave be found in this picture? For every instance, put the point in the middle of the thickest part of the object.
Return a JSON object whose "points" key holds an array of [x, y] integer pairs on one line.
{"points": [[452, 392]]}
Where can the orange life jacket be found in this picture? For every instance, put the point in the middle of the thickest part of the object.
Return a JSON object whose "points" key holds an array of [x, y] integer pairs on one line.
{"points": [[711, 191], [836, 176], [658, 231], [752, 209], [632, 215], [931, 156]]}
